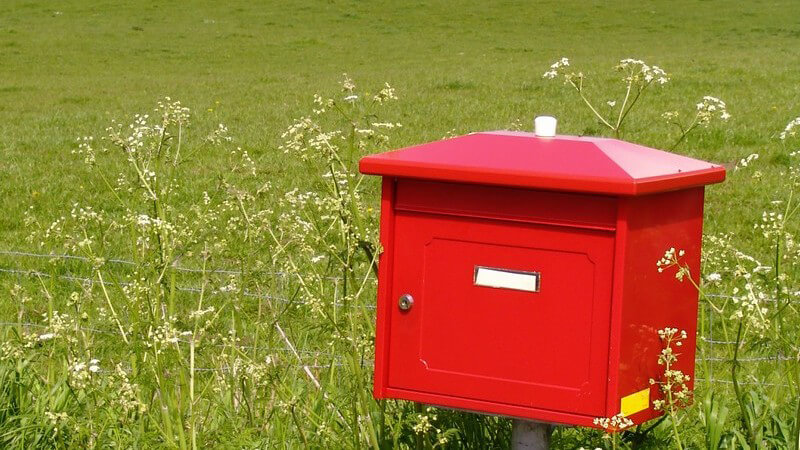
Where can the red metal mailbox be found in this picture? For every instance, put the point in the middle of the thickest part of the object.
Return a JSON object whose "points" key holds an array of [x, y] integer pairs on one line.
{"points": [[518, 274]]}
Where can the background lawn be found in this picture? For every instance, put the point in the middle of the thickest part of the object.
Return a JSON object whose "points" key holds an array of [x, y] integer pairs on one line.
{"points": [[67, 69]]}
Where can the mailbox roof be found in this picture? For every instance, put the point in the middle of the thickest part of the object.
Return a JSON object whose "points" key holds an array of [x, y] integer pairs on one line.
{"points": [[563, 163]]}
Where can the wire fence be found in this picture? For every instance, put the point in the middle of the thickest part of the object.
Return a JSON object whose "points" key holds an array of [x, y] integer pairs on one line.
{"points": [[307, 360], [714, 357], [189, 289], [310, 353], [713, 350], [126, 262]]}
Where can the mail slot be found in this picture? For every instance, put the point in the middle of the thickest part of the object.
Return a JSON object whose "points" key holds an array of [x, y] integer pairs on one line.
{"points": [[518, 274], [507, 279]]}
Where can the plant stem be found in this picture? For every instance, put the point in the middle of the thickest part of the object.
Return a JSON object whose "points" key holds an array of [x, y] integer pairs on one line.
{"points": [[685, 132], [627, 111], [191, 395], [111, 307], [589, 104], [674, 422], [622, 107], [671, 401], [737, 389]]}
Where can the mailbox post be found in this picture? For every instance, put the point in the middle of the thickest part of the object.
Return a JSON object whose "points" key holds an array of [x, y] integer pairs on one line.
{"points": [[519, 276]]}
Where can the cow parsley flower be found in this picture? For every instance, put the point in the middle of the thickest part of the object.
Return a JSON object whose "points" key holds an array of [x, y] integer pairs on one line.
{"points": [[709, 108], [791, 129], [556, 68], [744, 162], [712, 277], [616, 423], [386, 93], [638, 72]]}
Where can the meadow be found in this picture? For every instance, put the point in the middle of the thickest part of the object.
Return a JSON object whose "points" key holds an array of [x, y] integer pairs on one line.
{"points": [[219, 289]]}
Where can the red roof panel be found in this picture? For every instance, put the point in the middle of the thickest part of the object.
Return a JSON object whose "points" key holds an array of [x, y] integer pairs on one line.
{"points": [[563, 163]]}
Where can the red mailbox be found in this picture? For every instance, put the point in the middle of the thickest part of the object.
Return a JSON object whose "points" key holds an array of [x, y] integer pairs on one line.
{"points": [[518, 274]]}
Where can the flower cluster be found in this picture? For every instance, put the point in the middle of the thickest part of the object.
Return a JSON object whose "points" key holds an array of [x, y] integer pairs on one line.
{"points": [[19, 295], [793, 172], [612, 424], [386, 93], [671, 116], [744, 275], [709, 108], [58, 326], [556, 68], [348, 86], [746, 161], [259, 373], [56, 420], [308, 139], [749, 304], [671, 258], [673, 383], [126, 394], [86, 149], [81, 373], [165, 335], [172, 112], [11, 351], [638, 72], [791, 129], [426, 423], [219, 135], [706, 111]]}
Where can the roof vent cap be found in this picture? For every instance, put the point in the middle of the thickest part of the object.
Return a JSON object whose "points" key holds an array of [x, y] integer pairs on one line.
{"points": [[545, 126]]}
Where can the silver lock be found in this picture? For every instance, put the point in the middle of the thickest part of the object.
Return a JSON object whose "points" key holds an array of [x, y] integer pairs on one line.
{"points": [[405, 302]]}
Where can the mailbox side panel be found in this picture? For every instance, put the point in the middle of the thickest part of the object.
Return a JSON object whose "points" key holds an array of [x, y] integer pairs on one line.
{"points": [[385, 262], [646, 300]]}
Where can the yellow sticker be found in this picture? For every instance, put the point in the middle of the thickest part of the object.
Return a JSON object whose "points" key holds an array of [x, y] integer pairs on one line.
{"points": [[638, 401]]}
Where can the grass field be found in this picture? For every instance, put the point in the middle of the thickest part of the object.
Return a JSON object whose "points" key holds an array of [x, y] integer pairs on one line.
{"points": [[68, 69]]}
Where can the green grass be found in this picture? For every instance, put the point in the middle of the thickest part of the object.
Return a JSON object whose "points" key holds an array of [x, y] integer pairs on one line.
{"points": [[68, 69]]}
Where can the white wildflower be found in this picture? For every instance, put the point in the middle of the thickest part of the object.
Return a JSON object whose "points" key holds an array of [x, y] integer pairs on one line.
{"points": [[709, 108], [639, 72], [744, 162], [387, 93], [556, 68], [791, 129]]}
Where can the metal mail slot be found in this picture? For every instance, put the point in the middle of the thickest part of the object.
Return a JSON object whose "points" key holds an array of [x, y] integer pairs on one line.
{"points": [[507, 279]]}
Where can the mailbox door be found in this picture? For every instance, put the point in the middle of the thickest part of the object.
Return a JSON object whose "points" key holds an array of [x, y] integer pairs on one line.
{"points": [[504, 312]]}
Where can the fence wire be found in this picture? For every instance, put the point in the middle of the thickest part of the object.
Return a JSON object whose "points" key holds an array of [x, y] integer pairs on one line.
{"points": [[305, 358], [176, 267], [712, 351], [190, 289]]}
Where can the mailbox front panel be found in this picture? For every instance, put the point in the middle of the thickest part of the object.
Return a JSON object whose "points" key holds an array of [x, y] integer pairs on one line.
{"points": [[501, 312]]}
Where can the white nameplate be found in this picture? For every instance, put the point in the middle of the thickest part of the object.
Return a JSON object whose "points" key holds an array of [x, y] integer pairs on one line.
{"points": [[507, 279]]}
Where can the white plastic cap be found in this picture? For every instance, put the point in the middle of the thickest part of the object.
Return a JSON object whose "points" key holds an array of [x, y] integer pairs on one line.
{"points": [[545, 126]]}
